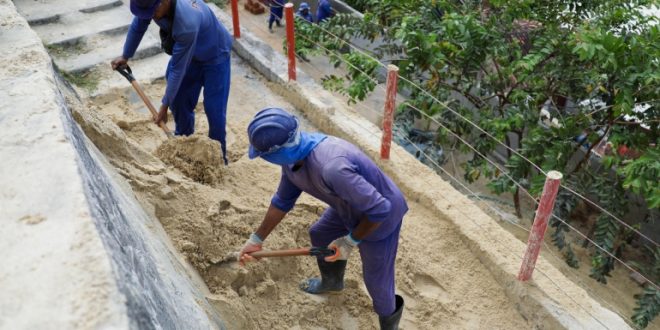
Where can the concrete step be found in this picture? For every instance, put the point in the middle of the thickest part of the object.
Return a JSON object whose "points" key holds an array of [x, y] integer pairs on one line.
{"points": [[39, 12], [101, 49], [74, 26], [146, 71]]}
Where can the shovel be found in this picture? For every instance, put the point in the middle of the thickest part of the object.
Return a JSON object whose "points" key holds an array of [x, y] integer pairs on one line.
{"points": [[128, 74], [309, 251]]}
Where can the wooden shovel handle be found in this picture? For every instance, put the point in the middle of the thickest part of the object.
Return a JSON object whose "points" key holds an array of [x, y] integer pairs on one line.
{"points": [[151, 107], [281, 253], [313, 251], [128, 74]]}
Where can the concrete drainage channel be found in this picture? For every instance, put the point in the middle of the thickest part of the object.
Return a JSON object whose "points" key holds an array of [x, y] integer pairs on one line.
{"points": [[147, 209]]}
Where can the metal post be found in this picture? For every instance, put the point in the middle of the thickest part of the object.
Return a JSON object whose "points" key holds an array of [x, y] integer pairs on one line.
{"points": [[290, 40], [234, 18], [388, 116], [543, 213]]}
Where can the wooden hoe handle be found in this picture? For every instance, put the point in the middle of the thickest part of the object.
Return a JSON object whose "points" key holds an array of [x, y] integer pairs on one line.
{"points": [[128, 74]]}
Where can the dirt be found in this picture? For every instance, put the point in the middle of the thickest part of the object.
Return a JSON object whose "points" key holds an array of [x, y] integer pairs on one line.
{"points": [[209, 210]]}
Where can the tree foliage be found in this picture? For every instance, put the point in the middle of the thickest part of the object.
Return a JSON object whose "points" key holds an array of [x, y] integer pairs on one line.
{"points": [[551, 80]]}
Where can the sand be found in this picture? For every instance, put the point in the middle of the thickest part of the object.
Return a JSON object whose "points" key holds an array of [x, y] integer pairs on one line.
{"points": [[209, 210]]}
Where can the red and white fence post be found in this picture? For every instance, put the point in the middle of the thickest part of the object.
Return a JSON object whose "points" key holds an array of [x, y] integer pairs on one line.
{"points": [[290, 41], [234, 18], [550, 189], [388, 115]]}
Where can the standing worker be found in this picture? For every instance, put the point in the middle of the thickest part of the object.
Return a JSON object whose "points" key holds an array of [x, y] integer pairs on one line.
{"points": [[303, 12], [366, 207], [200, 48], [276, 13], [324, 10]]}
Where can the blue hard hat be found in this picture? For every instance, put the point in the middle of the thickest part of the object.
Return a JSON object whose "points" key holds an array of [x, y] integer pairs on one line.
{"points": [[144, 9], [270, 130], [303, 6]]}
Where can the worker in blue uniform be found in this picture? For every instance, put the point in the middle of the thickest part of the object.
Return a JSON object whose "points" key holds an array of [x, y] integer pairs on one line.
{"points": [[276, 13], [365, 212], [304, 13], [324, 11], [200, 48]]}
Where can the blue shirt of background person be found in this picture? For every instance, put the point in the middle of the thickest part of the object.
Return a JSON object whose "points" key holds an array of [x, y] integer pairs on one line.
{"points": [[324, 10], [304, 13]]}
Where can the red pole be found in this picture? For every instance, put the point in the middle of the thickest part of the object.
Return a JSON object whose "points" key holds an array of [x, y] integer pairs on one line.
{"points": [[290, 41], [388, 116], [543, 212], [234, 18]]}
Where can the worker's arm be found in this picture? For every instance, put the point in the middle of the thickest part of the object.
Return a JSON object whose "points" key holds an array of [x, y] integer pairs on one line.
{"points": [[364, 228], [182, 54], [273, 217], [281, 203], [133, 37], [341, 175]]}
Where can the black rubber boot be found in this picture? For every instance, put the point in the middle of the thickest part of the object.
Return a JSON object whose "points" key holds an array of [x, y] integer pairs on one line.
{"points": [[332, 278], [392, 322]]}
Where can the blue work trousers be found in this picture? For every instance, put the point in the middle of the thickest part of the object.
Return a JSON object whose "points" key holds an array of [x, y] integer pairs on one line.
{"points": [[276, 14], [215, 78], [378, 258]]}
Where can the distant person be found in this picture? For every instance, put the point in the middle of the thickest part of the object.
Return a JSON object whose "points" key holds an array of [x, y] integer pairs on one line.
{"points": [[276, 13], [324, 11], [200, 48], [303, 12], [366, 208]]}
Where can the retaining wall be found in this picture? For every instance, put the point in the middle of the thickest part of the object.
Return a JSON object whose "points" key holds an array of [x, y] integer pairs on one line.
{"points": [[77, 250]]}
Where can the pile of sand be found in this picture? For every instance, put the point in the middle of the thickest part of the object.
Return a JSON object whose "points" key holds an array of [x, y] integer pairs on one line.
{"points": [[197, 157]]}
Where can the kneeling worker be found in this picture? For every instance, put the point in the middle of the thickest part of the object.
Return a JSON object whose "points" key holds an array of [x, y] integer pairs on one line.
{"points": [[366, 207]]}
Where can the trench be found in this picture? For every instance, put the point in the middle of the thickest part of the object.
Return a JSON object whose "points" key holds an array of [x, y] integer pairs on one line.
{"points": [[208, 210]]}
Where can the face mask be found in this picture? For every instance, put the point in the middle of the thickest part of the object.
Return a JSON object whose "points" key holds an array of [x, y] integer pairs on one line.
{"points": [[282, 157]]}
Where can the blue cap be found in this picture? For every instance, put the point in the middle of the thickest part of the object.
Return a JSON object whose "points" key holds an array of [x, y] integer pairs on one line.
{"points": [[270, 130], [144, 9], [304, 5]]}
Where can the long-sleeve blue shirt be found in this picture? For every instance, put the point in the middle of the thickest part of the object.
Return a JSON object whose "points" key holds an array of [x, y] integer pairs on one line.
{"points": [[198, 36], [342, 176], [324, 10]]}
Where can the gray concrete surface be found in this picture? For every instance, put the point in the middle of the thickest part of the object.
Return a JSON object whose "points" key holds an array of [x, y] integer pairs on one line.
{"points": [[46, 11], [74, 26], [77, 251]]}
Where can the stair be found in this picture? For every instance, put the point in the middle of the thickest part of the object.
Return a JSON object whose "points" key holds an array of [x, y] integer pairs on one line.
{"points": [[83, 36], [146, 70], [74, 26], [39, 12], [102, 48]]}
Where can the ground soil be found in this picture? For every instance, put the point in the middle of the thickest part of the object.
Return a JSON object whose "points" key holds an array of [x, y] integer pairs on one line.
{"points": [[209, 210]]}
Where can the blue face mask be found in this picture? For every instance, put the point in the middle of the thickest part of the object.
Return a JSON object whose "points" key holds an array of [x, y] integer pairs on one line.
{"points": [[290, 155], [281, 157]]}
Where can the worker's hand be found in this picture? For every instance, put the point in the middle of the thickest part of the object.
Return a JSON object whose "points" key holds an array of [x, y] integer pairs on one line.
{"points": [[253, 244], [343, 247], [161, 116], [118, 62]]}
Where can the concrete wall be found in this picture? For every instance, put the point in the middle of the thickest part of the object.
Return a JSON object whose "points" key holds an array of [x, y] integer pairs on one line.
{"points": [[76, 249]]}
